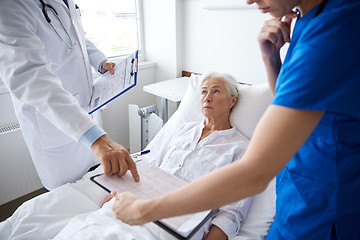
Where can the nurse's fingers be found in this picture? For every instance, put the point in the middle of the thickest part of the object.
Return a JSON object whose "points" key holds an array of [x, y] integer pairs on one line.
{"points": [[108, 198], [273, 35], [129, 208]]}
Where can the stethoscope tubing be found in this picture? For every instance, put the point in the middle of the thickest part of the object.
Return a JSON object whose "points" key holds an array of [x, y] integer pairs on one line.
{"points": [[45, 8]]}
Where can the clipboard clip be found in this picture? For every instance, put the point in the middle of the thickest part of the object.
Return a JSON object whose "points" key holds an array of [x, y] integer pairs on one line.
{"points": [[134, 62]]}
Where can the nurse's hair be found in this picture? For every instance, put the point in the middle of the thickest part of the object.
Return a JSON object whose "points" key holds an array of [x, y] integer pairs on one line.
{"points": [[229, 80]]}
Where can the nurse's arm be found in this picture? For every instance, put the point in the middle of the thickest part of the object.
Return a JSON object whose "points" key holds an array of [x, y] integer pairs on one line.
{"points": [[278, 136]]}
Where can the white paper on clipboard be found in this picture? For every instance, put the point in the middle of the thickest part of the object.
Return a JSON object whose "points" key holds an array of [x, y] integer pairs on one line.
{"points": [[153, 183], [108, 87]]}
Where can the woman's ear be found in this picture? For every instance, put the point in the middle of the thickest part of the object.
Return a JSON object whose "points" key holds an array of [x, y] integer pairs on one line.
{"points": [[233, 102]]}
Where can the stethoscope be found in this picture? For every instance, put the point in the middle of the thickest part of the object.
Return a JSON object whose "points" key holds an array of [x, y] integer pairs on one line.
{"points": [[319, 10], [45, 8]]}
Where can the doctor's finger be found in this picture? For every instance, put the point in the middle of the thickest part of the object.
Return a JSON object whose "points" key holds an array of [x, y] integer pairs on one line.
{"points": [[123, 167], [115, 168], [132, 167], [106, 166]]}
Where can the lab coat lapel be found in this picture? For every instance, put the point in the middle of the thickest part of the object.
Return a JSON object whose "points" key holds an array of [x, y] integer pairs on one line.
{"points": [[76, 21], [74, 15]]}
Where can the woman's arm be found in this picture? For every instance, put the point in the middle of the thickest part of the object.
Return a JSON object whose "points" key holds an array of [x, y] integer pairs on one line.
{"points": [[278, 136]]}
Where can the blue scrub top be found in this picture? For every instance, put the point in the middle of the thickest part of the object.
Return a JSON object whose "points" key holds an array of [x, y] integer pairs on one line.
{"points": [[318, 192]]}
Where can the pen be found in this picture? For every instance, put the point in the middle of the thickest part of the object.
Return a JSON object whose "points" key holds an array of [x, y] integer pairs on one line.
{"points": [[140, 154]]}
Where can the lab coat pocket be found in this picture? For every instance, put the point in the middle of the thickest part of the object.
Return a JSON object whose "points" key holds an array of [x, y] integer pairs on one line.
{"points": [[50, 136]]}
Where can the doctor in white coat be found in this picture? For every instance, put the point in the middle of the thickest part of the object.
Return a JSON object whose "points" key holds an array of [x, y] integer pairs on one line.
{"points": [[46, 67]]}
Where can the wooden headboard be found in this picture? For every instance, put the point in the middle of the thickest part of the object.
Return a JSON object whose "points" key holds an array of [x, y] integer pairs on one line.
{"points": [[188, 74]]}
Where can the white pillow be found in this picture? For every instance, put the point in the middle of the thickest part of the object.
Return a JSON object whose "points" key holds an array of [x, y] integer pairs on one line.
{"points": [[260, 216], [253, 101]]}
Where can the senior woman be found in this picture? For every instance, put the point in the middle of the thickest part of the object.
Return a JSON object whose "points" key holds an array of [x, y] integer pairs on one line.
{"points": [[196, 149]]}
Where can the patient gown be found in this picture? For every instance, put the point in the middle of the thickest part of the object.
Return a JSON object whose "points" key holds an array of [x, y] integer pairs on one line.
{"points": [[318, 191], [186, 158]]}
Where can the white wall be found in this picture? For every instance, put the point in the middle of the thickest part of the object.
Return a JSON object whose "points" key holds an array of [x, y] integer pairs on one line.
{"points": [[161, 36], [181, 35], [17, 172], [223, 40], [115, 117]]}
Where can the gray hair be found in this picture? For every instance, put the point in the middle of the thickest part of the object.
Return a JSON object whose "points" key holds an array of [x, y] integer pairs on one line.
{"points": [[230, 81]]}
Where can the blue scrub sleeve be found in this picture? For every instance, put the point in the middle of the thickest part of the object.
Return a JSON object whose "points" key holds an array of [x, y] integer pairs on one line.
{"points": [[322, 71]]}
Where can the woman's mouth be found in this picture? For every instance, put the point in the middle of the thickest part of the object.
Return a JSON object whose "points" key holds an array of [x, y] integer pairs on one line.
{"points": [[264, 10]]}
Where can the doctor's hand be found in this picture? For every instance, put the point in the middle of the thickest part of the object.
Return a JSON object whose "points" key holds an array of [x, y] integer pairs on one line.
{"points": [[108, 66], [274, 34], [114, 157], [132, 210]]}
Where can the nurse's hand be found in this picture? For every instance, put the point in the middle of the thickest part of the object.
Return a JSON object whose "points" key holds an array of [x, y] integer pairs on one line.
{"points": [[108, 66], [274, 34], [131, 210], [114, 157]]}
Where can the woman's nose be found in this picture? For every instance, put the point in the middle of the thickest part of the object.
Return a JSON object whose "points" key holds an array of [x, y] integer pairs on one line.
{"points": [[207, 98]]}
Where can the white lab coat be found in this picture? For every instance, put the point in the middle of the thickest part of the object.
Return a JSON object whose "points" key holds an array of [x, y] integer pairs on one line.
{"points": [[50, 85]]}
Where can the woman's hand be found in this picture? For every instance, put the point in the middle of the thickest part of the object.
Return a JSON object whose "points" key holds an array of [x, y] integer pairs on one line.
{"points": [[130, 209]]}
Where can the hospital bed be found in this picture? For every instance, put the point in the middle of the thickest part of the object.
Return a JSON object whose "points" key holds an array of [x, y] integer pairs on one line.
{"points": [[43, 216]]}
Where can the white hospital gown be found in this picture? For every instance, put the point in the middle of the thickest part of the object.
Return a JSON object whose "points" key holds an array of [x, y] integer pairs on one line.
{"points": [[186, 158]]}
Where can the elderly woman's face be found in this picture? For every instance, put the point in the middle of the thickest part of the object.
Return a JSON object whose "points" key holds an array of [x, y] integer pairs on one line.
{"points": [[215, 98]]}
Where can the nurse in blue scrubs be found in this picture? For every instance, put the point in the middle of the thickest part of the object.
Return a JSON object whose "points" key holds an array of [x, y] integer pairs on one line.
{"points": [[309, 137]]}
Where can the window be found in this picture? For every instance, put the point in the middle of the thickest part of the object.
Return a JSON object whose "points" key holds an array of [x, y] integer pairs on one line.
{"points": [[113, 26]]}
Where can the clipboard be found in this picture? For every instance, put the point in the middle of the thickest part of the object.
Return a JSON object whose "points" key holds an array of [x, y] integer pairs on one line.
{"points": [[151, 185], [108, 87]]}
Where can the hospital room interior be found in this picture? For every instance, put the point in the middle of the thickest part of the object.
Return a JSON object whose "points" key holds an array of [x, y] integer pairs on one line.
{"points": [[177, 40]]}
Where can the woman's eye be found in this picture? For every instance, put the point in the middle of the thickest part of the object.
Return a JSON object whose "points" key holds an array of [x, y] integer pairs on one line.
{"points": [[216, 91], [203, 92]]}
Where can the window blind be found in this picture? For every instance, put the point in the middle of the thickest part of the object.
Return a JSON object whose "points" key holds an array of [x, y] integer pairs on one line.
{"points": [[113, 26]]}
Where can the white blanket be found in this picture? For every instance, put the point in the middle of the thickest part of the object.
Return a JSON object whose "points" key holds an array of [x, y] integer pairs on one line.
{"points": [[102, 224], [44, 216]]}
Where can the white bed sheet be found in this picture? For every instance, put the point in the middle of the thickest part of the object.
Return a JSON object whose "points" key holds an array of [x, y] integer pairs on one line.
{"points": [[44, 216]]}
